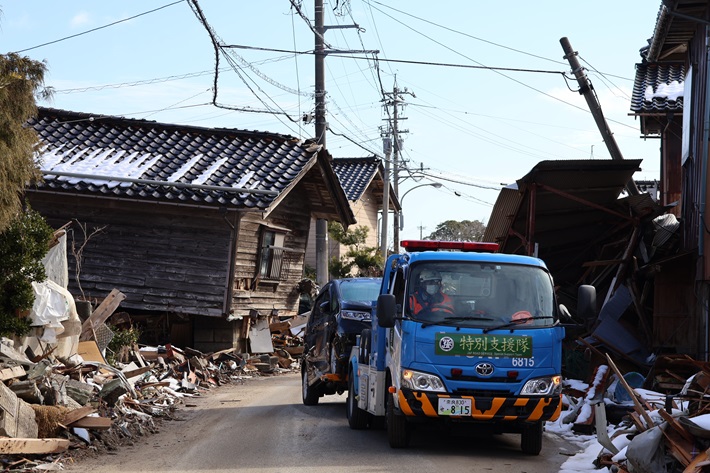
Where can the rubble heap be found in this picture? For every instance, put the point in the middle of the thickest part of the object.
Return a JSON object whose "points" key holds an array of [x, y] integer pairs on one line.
{"points": [[58, 403], [658, 422]]}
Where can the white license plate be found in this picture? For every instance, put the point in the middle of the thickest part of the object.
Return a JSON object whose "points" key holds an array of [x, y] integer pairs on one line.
{"points": [[454, 407]]}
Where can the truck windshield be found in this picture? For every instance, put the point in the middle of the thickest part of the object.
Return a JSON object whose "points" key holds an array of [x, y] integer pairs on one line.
{"points": [[481, 295]]}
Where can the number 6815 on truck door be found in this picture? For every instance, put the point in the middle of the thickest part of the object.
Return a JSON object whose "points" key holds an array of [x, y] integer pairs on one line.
{"points": [[523, 362]]}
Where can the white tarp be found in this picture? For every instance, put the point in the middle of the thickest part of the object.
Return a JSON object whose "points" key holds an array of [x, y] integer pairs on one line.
{"points": [[55, 262]]}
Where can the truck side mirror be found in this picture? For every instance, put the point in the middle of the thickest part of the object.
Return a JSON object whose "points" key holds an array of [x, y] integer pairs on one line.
{"points": [[386, 310], [587, 304]]}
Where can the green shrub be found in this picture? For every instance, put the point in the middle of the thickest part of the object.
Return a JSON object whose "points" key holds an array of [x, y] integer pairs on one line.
{"points": [[122, 338], [23, 244]]}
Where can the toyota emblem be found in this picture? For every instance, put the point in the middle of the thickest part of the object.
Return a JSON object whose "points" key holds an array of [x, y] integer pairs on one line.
{"points": [[484, 369]]}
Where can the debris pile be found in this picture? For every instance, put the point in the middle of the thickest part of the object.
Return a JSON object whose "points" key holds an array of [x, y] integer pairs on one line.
{"points": [[655, 423], [62, 398]]}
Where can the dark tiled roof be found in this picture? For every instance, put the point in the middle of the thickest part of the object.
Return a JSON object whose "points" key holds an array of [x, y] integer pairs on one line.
{"points": [[192, 165], [654, 76], [355, 174]]}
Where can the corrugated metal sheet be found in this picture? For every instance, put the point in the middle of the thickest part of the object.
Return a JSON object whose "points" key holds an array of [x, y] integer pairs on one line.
{"points": [[577, 210]]}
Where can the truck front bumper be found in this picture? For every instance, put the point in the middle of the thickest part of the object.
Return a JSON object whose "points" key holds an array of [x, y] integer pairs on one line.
{"points": [[497, 409]]}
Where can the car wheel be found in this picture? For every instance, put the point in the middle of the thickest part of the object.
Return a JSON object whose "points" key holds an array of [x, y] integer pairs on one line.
{"points": [[531, 438], [357, 418], [310, 394], [398, 429]]}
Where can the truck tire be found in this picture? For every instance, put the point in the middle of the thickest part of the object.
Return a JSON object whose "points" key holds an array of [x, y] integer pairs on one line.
{"points": [[310, 394], [531, 438], [357, 418], [364, 351], [398, 429]]}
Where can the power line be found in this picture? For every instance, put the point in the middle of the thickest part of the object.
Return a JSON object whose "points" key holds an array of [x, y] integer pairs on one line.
{"points": [[401, 61], [99, 28]]}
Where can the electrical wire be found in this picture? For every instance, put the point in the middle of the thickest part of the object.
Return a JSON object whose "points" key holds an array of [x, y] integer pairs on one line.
{"points": [[98, 28], [461, 33]]}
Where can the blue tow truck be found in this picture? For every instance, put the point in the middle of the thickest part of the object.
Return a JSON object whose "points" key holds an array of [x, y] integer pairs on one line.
{"points": [[491, 359]]}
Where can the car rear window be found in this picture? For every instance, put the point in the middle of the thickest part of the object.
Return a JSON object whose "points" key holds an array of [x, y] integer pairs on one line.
{"points": [[365, 290]]}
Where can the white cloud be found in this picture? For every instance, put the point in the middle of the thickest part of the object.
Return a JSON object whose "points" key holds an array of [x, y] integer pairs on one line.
{"points": [[80, 19]]}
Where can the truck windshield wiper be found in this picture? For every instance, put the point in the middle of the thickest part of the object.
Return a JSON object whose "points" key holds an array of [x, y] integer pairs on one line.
{"points": [[516, 322], [468, 317]]}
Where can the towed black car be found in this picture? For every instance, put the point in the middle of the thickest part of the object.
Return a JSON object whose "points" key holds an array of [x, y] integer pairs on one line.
{"points": [[340, 312]]}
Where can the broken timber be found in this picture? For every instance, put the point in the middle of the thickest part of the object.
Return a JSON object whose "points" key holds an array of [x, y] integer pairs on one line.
{"points": [[10, 446], [101, 314]]}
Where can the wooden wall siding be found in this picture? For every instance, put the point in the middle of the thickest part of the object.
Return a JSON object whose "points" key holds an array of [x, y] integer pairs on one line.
{"points": [[675, 324], [293, 213], [692, 169], [163, 257], [671, 175]]}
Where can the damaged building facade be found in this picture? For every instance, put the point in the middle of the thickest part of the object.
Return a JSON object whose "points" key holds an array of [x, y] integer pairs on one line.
{"points": [[204, 230], [646, 254]]}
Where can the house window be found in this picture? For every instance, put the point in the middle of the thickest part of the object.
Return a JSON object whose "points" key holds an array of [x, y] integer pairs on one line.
{"points": [[272, 255]]}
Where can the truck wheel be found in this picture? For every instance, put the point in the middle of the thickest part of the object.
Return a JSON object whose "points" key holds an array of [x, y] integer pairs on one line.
{"points": [[398, 430], [310, 394], [531, 438], [357, 418], [364, 351]]}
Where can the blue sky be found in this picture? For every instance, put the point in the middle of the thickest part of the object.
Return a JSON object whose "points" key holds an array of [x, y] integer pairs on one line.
{"points": [[469, 128]]}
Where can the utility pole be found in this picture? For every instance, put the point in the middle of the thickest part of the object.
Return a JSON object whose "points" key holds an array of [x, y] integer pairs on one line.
{"points": [[586, 89], [395, 99], [322, 275], [387, 148], [320, 28]]}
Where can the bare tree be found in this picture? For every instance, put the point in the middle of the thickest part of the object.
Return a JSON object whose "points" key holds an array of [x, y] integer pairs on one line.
{"points": [[77, 249]]}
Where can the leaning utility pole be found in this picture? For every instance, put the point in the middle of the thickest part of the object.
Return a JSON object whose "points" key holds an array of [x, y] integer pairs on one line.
{"points": [[395, 100], [586, 89]]}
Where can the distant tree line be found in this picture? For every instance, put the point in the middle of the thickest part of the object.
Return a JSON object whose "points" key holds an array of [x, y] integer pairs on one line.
{"points": [[454, 230]]}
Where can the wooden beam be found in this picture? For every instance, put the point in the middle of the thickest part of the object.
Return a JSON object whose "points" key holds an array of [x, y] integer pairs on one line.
{"points": [[92, 423], [76, 414], [12, 446], [101, 314], [12, 372], [632, 394]]}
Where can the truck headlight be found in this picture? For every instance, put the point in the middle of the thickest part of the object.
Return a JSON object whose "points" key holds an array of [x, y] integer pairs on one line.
{"points": [[547, 386], [355, 315], [418, 381]]}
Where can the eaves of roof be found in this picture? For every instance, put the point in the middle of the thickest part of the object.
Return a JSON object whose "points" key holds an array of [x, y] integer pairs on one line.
{"points": [[651, 76], [675, 27]]}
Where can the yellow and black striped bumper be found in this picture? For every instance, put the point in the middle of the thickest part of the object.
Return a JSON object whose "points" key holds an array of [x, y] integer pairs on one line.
{"points": [[530, 409]]}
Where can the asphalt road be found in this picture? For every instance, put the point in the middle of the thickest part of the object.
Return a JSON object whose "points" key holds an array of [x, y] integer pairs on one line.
{"points": [[261, 426]]}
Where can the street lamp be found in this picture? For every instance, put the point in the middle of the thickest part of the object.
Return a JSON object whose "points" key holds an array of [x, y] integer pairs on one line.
{"points": [[436, 185]]}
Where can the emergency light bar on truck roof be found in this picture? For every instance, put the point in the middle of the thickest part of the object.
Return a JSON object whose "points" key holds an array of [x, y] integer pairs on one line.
{"points": [[434, 245]]}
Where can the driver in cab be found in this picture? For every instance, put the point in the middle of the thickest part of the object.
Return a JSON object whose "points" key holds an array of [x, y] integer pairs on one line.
{"points": [[428, 297]]}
